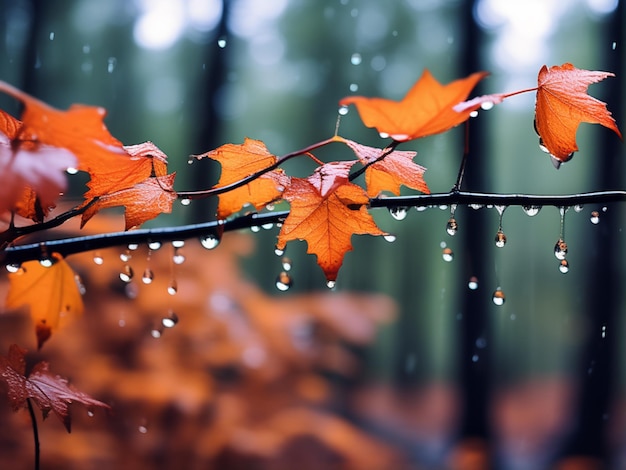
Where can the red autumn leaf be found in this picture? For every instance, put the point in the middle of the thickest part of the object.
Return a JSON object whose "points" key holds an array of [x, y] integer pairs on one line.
{"points": [[142, 202], [426, 109], [239, 162], [563, 103], [321, 215], [52, 293], [391, 171], [81, 131], [49, 392]]}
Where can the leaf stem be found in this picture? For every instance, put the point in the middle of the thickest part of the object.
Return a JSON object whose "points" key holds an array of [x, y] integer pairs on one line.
{"points": [[33, 419]]}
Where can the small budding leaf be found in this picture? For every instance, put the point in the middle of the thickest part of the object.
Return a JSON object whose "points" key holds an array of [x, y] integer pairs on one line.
{"points": [[48, 391], [563, 103], [427, 109]]}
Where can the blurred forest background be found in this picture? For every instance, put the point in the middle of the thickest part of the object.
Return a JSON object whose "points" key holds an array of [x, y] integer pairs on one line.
{"points": [[403, 365]]}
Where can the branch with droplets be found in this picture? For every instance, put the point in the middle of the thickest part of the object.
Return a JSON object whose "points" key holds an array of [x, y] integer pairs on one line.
{"points": [[212, 231]]}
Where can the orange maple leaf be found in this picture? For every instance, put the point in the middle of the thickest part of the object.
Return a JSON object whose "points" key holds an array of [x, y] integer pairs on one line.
{"points": [[321, 215], [426, 109], [387, 174], [50, 392], [239, 162], [81, 131], [52, 293], [563, 103], [142, 202]]}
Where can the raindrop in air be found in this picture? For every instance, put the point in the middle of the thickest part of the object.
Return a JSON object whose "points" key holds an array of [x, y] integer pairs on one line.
{"points": [[331, 284], [98, 259], [148, 276], [531, 210], [154, 245], [126, 274], [604, 331], [498, 297], [284, 281], [595, 218], [221, 42], [170, 321], [500, 239], [452, 226], [356, 59], [111, 63], [172, 289], [210, 241], [389, 237], [447, 254], [560, 249], [564, 266], [51, 36], [287, 264], [354, 87], [473, 283], [13, 267], [398, 213]]}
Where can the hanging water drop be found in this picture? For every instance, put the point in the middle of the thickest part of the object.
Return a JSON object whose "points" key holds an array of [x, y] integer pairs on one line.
{"points": [[498, 297], [185, 201], [398, 213], [125, 256], [156, 333], [172, 289], [343, 110], [389, 237], [98, 259], [560, 249], [13, 267], [133, 246], [155, 245], [148, 276], [564, 266], [222, 42], [595, 218], [531, 211], [331, 284], [70, 170], [476, 206], [287, 264], [473, 283], [279, 251], [210, 241], [284, 281], [46, 262], [178, 257], [356, 59], [255, 229], [452, 226], [447, 254], [578, 208], [170, 321], [500, 239], [178, 243], [126, 274]]}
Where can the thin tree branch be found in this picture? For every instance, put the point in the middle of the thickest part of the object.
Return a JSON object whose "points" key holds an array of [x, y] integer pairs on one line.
{"points": [[68, 246]]}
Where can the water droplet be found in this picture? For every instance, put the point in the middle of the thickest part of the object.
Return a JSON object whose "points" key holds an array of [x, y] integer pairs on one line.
{"points": [[500, 239], [498, 297], [178, 243], [98, 259], [476, 206], [331, 284], [474, 113], [131, 290], [421, 208], [133, 246], [125, 257], [443, 207], [170, 321], [210, 241], [595, 218], [447, 254], [70, 170], [90, 413], [475, 358], [178, 257], [604, 209], [156, 333], [389, 237], [142, 429], [531, 211], [111, 63], [343, 110], [13, 267], [222, 42], [148, 276], [154, 245], [473, 283], [604, 331], [270, 206], [383, 135], [578, 208], [560, 249], [127, 273], [172, 289], [487, 105], [481, 342], [564, 266], [46, 262], [185, 201], [354, 87], [255, 229], [452, 226], [51, 36], [287, 264], [398, 213], [284, 281], [356, 59], [279, 251]]}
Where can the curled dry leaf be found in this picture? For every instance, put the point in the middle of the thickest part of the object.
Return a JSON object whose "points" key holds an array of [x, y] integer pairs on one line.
{"points": [[426, 109]]}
